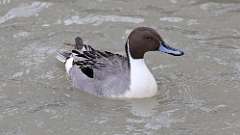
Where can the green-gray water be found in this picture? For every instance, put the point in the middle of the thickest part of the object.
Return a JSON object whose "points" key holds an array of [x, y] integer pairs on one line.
{"points": [[198, 93]]}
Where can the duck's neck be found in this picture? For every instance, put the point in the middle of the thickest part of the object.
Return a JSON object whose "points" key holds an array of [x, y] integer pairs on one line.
{"points": [[142, 82]]}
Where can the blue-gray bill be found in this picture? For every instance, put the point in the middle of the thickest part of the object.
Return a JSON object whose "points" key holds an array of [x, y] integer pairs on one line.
{"points": [[170, 50]]}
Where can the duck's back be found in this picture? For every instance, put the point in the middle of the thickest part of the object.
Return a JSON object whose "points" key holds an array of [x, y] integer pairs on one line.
{"points": [[105, 75]]}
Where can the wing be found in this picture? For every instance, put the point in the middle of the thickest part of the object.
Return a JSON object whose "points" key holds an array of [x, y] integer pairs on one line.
{"points": [[99, 64]]}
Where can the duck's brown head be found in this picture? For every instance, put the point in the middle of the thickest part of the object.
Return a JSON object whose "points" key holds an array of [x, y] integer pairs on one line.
{"points": [[144, 39]]}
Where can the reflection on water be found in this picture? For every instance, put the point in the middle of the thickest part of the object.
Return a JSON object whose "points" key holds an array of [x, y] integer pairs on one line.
{"points": [[144, 108], [198, 93]]}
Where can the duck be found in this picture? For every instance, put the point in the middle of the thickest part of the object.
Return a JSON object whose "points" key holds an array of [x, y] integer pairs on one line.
{"points": [[107, 74]]}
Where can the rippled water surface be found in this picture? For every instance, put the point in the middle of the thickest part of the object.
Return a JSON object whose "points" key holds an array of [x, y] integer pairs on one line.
{"points": [[198, 93]]}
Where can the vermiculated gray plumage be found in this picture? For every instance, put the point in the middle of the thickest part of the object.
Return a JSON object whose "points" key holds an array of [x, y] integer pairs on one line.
{"points": [[97, 72]]}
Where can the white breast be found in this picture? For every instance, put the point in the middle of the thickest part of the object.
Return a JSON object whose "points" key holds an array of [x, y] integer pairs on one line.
{"points": [[142, 82], [69, 64]]}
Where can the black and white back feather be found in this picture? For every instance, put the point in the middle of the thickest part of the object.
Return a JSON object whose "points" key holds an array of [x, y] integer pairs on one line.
{"points": [[94, 63]]}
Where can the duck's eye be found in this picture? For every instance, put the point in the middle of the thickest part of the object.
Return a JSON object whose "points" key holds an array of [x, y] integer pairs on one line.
{"points": [[149, 38]]}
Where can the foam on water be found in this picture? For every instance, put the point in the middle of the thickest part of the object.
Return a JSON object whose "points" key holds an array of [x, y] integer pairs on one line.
{"points": [[18, 74], [21, 34], [174, 1], [192, 22], [219, 8], [25, 10], [171, 19], [99, 19]]}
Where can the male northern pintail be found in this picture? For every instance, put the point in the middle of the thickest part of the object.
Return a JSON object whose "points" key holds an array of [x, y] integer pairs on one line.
{"points": [[103, 73]]}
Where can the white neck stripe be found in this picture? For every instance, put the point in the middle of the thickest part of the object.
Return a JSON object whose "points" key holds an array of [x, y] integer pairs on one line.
{"points": [[142, 82]]}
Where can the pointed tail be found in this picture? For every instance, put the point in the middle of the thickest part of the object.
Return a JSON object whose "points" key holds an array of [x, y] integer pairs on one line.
{"points": [[79, 43], [63, 55]]}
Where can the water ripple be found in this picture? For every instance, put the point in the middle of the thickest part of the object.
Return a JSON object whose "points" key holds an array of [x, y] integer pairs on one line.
{"points": [[99, 19]]}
